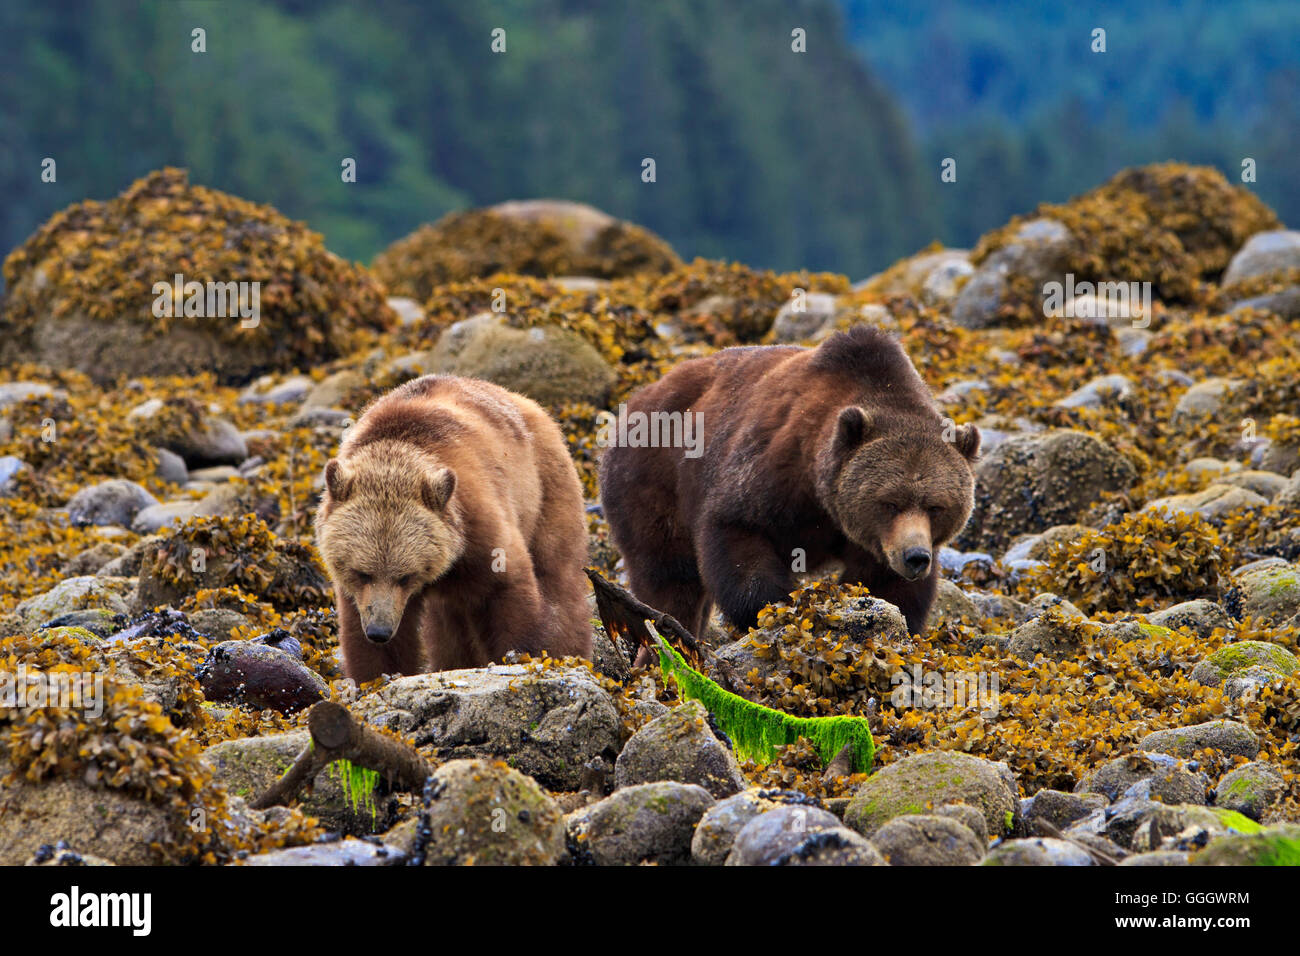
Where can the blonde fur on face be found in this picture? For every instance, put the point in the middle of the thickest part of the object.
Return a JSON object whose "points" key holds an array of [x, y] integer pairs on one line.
{"points": [[389, 529]]}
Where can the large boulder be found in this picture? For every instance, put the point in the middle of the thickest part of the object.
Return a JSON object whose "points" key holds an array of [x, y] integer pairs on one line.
{"points": [[540, 237], [549, 364], [1276, 250], [922, 782], [81, 289], [1030, 483], [546, 723]]}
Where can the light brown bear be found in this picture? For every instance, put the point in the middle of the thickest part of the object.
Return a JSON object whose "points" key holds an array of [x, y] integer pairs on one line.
{"points": [[453, 527], [800, 457]]}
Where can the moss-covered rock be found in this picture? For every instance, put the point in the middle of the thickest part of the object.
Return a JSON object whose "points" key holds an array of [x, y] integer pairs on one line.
{"points": [[549, 364], [922, 782], [1228, 736], [1241, 656]]}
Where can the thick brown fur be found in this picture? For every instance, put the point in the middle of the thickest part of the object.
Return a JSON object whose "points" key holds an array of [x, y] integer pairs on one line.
{"points": [[836, 453], [452, 525]]}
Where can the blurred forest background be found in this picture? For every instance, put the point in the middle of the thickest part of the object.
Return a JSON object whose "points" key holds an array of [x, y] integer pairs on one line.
{"points": [[826, 160]]}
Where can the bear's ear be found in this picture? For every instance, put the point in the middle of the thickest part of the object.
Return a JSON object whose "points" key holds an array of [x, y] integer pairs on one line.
{"points": [[966, 439], [336, 481], [437, 488], [851, 429]]}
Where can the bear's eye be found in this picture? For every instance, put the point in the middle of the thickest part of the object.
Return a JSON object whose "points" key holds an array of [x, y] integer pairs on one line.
{"points": [[889, 508], [363, 578], [404, 581], [934, 511]]}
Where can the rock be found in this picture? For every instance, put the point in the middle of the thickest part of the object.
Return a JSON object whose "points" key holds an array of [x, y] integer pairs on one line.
{"points": [[408, 310], [1098, 393], [1269, 593], [1156, 858], [1274, 250], [248, 766], [1227, 736], [1204, 399], [1056, 636], [716, 832], [1284, 302], [547, 723], [259, 677], [943, 283], [920, 782], [1211, 502], [1266, 484], [803, 317], [1036, 253], [1250, 789], [647, 823], [349, 852], [266, 391], [71, 594], [679, 746], [1281, 457], [10, 466], [171, 467], [864, 619], [169, 514], [1184, 827], [1273, 846], [1241, 655], [115, 501], [486, 814], [908, 276], [60, 854], [951, 605], [182, 426], [1030, 483], [1288, 498], [334, 390], [11, 393], [1170, 780], [927, 840], [1048, 812], [1039, 851], [1245, 685], [89, 561], [969, 817], [800, 836], [101, 821], [1200, 616], [334, 419], [549, 364]]}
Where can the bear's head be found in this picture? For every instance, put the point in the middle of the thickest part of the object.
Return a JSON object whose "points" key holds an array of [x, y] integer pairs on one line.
{"points": [[387, 528], [899, 485]]}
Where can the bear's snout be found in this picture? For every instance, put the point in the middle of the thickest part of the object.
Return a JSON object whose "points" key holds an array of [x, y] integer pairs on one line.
{"points": [[379, 633], [916, 561]]}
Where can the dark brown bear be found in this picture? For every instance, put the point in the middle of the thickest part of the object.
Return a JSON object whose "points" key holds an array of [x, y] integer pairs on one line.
{"points": [[452, 526], [809, 456]]}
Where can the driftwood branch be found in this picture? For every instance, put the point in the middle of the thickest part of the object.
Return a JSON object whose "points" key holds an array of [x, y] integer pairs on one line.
{"points": [[624, 616], [337, 735]]}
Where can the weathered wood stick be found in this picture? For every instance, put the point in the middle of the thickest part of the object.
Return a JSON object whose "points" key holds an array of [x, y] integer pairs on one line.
{"points": [[625, 616], [337, 735]]}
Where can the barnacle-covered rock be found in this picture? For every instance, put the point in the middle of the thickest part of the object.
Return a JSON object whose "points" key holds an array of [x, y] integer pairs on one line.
{"points": [[484, 813], [924, 839], [648, 823], [1169, 778], [547, 723], [1250, 789], [1032, 482], [1241, 656], [1229, 736], [1269, 592], [680, 746], [800, 836], [112, 502], [81, 290], [1041, 851]]}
